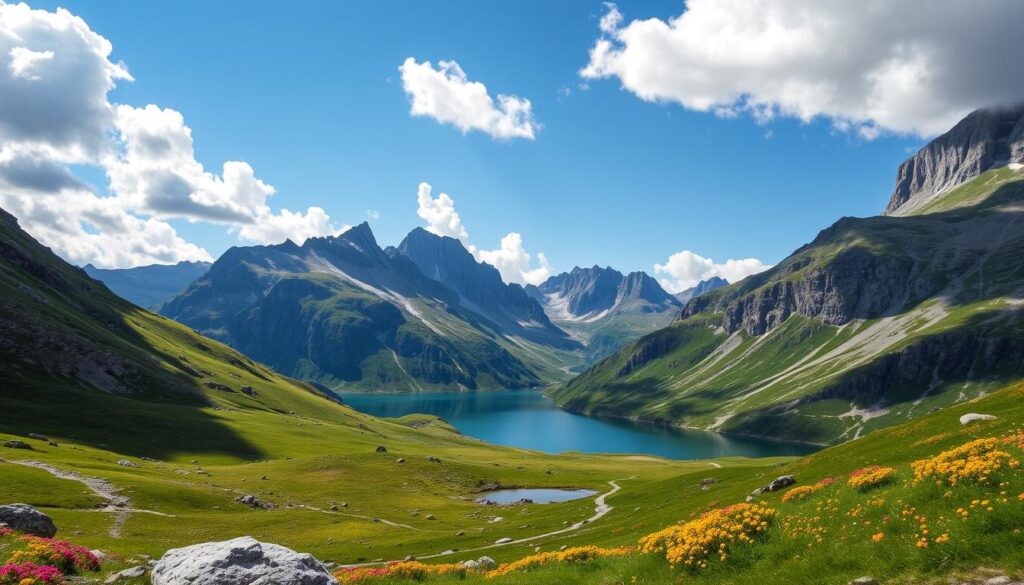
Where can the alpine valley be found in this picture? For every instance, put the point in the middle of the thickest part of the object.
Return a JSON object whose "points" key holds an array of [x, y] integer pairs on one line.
{"points": [[209, 379]]}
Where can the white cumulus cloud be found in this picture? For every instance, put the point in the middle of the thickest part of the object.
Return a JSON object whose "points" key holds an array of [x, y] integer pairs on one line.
{"points": [[448, 96], [685, 269], [511, 259], [904, 66], [440, 214], [55, 74]]}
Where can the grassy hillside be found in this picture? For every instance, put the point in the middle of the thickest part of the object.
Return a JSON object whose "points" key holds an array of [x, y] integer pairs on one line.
{"points": [[902, 530], [200, 425], [876, 321]]}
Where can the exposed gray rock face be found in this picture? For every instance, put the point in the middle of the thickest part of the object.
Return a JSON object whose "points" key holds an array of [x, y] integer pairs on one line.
{"points": [[856, 283], [480, 287], [242, 561], [985, 139], [25, 518]]}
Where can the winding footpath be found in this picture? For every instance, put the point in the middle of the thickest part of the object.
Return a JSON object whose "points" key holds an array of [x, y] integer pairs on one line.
{"points": [[601, 508], [119, 506]]}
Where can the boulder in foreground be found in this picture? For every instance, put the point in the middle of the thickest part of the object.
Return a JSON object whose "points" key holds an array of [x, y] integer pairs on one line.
{"points": [[25, 518], [241, 561]]}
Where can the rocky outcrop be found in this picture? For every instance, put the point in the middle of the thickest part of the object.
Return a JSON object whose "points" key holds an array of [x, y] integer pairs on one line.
{"points": [[242, 561], [985, 139], [857, 283], [26, 519]]}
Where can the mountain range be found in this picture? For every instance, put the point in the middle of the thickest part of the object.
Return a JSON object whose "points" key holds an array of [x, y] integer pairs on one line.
{"points": [[426, 314], [874, 321], [148, 286], [604, 308]]}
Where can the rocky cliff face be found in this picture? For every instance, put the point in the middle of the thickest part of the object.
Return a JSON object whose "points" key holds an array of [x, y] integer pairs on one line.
{"points": [[480, 288], [985, 139], [856, 283]]}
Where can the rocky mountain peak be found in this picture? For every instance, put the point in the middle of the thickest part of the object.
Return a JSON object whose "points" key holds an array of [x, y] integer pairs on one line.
{"points": [[985, 139]]}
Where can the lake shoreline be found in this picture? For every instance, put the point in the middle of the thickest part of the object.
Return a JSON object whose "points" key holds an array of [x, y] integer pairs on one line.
{"points": [[529, 419]]}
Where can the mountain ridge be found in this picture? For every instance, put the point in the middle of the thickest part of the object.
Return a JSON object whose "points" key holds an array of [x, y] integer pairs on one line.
{"points": [[872, 320], [343, 312]]}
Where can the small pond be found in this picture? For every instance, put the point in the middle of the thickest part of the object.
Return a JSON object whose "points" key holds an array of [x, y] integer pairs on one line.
{"points": [[535, 495]]}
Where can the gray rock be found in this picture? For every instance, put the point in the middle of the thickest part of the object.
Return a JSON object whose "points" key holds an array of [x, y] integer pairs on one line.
{"points": [[864, 581], [486, 562], [460, 533], [38, 437], [409, 558], [433, 459], [242, 561], [504, 540], [974, 417], [132, 573], [382, 449], [25, 518], [780, 483], [253, 502], [430, 517], [401, 459], [1001, 580], [471, 565], [985, 139], [127, 463], [16, 444]]}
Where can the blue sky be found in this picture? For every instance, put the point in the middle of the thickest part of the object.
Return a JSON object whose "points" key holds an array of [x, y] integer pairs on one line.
{"points": [[309, 94]]}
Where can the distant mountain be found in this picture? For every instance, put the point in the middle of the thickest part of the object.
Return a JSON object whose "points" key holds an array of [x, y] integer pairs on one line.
{"points": [[591, 293], [480, 288], [988, 138], [148, 286], [876, 320], [603, 308], [704, 286], [342, 312]]}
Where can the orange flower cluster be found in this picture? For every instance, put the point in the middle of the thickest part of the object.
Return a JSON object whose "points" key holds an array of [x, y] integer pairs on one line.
{"points": [[575, 554], [402, 570], [693, 543], [803, 492], [976, 461], [866, 478]]}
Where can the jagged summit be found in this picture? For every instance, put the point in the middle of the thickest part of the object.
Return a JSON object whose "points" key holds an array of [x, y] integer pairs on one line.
{"points": [[480, 288], [592, 291], [985, 139]]}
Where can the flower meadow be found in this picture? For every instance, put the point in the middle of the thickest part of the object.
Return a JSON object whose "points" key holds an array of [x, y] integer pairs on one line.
{"points": [[931, 511], [43, 561], [867, 478]]}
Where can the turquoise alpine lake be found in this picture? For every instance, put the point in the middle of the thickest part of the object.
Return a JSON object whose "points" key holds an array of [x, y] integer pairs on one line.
{"points": [[530, 420]]}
